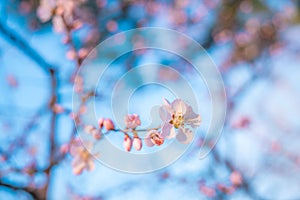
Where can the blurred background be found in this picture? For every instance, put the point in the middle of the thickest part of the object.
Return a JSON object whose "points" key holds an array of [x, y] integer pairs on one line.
{"points": [[255, 45]]}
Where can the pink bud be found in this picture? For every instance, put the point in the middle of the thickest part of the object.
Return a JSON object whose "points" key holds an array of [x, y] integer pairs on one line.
{"points": [[236, 178], [100, 122], [137, 143], [127, 143], [108, 124]]}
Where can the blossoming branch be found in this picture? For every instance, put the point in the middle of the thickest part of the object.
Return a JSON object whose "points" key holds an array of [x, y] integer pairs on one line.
{"points": [[178, 120]]}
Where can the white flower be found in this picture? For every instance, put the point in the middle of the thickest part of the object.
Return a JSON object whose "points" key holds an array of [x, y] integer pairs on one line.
{"points": [[178, 115]]}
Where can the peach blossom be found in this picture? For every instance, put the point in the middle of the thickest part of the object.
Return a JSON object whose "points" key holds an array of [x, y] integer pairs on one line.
{"points": [[132, 121], [178, 115]]}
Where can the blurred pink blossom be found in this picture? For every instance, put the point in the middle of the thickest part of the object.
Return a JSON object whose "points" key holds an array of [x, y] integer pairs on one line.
{"points": [[64, 148], [236, 178], [12, 81], [57, 108], [46, 10], [82, 158], [208, 191], [96, 133]]}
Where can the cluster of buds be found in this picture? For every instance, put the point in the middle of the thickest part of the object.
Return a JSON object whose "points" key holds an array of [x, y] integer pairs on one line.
{"points": [[136, 142], [97, 133], [132, 121], [106, 123]]}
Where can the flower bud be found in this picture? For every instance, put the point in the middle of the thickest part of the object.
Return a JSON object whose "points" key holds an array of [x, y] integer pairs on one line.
{"points": [[108, 124], [137, 143], [127, 143], [100, 122], [157, 139]]}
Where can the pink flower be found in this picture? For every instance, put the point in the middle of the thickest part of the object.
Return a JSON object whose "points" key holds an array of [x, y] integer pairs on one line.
{"points": [[178, 115], [82, 158], [154, 138], [127, 143], [137, 143], [132, 121], [108, 124]]}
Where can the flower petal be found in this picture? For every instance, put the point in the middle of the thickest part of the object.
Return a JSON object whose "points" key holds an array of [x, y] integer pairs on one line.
{"points": [[172, 133], [184, 136], [179, 106], [165, 113], [78, 168], [148, 142], [192, 118], [166, 129], [90, 164], [166, 102]]}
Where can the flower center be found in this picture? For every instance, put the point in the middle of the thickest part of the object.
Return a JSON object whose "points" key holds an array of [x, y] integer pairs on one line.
{"points": [[85, 155], [156, 139], [177, 120]]}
